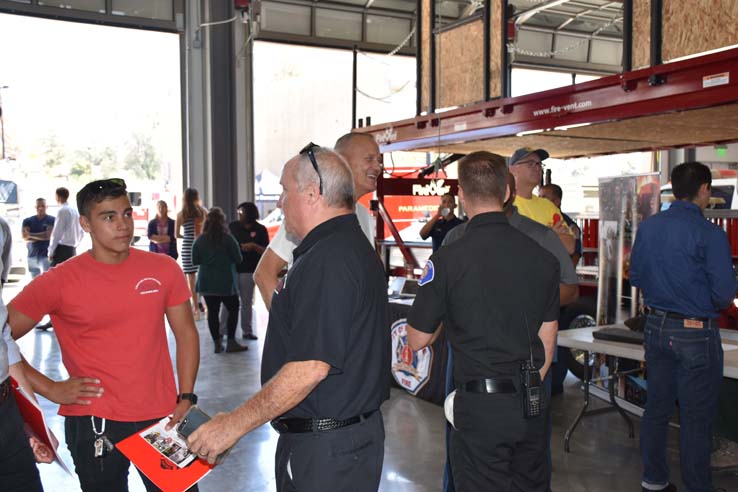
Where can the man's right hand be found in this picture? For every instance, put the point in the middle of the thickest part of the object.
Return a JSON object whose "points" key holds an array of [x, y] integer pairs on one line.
{"points": [[76, 391]]}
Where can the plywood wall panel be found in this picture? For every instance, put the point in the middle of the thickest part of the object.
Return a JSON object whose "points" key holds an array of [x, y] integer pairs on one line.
{"points": [[495, 47], [460, 54], [696, 26], [641, 33], [425, 36]]}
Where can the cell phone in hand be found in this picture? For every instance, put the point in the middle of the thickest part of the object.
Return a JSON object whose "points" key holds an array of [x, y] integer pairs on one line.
{"points": [[193, 419]]}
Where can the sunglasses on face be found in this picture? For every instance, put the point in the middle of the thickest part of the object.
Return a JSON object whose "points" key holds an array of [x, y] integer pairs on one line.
{"points": [[309, 151]]}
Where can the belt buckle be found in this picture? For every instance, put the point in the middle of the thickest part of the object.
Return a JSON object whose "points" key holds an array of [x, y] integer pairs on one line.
{"points": [[280, 427]]}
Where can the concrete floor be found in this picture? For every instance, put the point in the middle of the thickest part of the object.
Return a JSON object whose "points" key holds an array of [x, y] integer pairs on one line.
{"points": [[603, 458]]}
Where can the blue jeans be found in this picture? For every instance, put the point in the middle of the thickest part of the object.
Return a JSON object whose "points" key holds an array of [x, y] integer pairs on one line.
{"points": [[684, 364], [38, 265]]}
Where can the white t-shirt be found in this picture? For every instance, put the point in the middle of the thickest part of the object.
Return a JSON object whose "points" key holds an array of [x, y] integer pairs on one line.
{"points": [[283, 247]]}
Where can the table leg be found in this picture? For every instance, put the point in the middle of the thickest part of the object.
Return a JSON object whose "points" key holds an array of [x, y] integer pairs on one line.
{"points": [[611, 386], [585, 381]]}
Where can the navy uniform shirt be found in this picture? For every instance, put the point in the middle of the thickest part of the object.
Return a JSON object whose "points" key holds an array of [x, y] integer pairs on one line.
{"points": [[257, 234], [441, 228], [37, 226], [332, 306], [492, 289], [682, 263]]}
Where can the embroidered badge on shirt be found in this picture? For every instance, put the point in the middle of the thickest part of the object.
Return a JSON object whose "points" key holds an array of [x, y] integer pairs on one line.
{"points": [[428, 273]]}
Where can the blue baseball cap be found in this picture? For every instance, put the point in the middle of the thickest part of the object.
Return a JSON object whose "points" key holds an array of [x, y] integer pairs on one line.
{"points": [[525, 152]]}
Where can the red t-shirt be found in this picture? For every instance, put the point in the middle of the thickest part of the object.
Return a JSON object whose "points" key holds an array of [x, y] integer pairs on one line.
{"points": [[109, 320]]}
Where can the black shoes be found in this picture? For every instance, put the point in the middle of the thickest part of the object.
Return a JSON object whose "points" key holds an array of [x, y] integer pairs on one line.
{"points": [[233, 346], [250, 336]]}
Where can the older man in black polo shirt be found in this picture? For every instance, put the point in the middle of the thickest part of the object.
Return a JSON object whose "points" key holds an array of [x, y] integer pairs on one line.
{"points": [[497, 293], [327, 349]]}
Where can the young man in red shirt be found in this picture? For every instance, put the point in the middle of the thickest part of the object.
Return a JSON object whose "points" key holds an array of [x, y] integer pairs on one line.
{"points": [[108, 307]]}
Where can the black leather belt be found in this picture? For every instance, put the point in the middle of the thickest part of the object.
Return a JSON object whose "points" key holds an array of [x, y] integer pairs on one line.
{"points": [[673, 315], [5, 390], [489, 385], [296, 426]]}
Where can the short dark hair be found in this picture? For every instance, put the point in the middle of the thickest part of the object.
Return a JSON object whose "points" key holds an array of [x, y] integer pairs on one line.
{"points": [[557, 191], [687, 178], [97, 191], [62, 193], [483, 177], [40, 199], [250, 212]]}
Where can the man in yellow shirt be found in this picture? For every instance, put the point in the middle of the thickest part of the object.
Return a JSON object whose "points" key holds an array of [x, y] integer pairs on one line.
{"points": [[526, 165]]}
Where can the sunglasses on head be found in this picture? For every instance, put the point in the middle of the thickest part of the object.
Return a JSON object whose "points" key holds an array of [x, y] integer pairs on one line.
{"points": [[104, 184], [309, 151]]}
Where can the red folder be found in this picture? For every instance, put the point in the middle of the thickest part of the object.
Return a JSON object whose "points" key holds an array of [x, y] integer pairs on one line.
{"points": [[160, 470], [35, 421]]}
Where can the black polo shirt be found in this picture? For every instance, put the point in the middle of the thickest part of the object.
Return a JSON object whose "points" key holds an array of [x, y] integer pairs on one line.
{"points": [[486, 288], [257, 234], [441, 228], [332, 306]]}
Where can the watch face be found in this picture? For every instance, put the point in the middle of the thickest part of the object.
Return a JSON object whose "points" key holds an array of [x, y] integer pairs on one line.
{"points": [[188, 396]]}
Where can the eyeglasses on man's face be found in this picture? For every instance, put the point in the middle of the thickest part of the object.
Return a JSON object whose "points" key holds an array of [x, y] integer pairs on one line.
{"points": [[530, 163], [309, 150]]}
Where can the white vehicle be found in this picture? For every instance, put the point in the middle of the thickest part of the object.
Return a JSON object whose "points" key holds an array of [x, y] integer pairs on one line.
{"points": [[724, 193]]}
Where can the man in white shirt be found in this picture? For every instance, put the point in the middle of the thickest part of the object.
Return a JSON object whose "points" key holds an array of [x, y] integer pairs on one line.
{"points": [[362, 155], [67, 233], [18, 454]]}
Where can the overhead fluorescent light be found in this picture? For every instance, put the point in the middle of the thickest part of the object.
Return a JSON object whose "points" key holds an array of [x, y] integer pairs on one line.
{"points": [[531, 132], [567, 127]]}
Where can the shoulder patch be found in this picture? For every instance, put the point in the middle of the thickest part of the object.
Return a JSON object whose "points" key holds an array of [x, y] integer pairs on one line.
{"points": [[428, 274]]}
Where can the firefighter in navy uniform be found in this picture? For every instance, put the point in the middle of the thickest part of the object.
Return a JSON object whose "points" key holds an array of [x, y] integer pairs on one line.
{"points": [[496, 291]]}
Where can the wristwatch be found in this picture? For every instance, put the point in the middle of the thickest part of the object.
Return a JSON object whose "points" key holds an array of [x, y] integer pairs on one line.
{"points": [[192, 397]]}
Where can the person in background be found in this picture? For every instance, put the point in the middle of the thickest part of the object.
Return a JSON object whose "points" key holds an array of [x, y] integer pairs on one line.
{"points": [[161, 234], [188, 227], [441, 222], [67, 232], [683, 266], [554, 194], [217, 253], [37, 233], [526, 165], [361, 152], [18, 472], [253, 239]]}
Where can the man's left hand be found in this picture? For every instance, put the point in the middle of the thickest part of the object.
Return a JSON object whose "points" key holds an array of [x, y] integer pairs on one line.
{"points": [[41, 451], [214, 437], [179, 413]]}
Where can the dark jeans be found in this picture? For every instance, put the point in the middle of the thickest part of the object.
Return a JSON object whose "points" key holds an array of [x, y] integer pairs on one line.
{"points": [[231, 304], [494, 448], [62, 253], [726, 423], [684, 364], [18, 472], [348, 459], [448, 477], [108, 474]]}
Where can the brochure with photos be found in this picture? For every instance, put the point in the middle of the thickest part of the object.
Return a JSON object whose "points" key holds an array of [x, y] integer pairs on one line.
{"points": [[168, 443]]}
